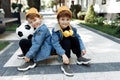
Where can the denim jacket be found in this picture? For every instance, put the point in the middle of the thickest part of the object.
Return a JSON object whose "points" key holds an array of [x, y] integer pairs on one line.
{"points": [[57, 37], [41, 44]]}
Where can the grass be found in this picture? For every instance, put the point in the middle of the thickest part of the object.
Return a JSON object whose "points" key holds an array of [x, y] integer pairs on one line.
{"points": [[3, 44], [103, 28], [12, 27]]}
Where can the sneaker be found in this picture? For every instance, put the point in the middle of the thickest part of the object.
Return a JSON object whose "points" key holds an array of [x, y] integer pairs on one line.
{"points": [[26, 66], [82, 60], [66, 70], [21, 56]]}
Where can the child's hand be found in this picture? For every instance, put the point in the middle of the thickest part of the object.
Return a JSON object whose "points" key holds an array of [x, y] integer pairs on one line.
{"points": [[27, 59], [83, 52], [65, 59]]}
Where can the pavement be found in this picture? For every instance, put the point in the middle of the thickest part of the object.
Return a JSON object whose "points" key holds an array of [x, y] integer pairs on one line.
{"points": [[104, 50]]}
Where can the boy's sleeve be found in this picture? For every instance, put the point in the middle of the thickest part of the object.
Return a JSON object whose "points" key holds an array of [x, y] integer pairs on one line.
{"points": [[37, 42], [56, 43]]}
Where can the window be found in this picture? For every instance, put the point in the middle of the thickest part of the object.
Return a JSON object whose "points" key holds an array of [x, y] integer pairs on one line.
{"points": [[103, 1], [117, 0]]}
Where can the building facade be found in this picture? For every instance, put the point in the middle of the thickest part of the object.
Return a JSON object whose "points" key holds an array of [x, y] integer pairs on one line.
{"points": [[107, 8]]}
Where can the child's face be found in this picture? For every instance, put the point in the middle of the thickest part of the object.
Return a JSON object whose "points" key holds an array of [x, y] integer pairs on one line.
{"points": [[36, 22], [64, 22]]}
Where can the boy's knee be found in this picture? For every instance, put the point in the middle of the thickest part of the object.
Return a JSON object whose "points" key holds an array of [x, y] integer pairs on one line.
{"points": [[22, 41]]}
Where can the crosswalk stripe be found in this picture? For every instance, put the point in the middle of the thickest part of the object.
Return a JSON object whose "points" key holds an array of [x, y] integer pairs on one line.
{"points": [[13, 61]]}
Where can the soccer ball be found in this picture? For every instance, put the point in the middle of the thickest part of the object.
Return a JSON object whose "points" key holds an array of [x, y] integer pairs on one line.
{"points": [[25, 31]]}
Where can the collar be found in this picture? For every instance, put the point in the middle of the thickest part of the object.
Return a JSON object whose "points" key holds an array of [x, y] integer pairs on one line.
{"points": [[56, 27]]}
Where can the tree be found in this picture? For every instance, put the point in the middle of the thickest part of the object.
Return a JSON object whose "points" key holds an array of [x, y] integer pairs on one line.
{"points": [[90, 15], [0, 3], [5, 4], [34, 3]]}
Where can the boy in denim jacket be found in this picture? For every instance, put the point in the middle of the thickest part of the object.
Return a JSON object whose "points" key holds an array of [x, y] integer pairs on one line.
{"points": [[65, 38], [39, 48]]}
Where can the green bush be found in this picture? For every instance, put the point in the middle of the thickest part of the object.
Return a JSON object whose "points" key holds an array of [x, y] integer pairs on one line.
{"points": [[118, 17], [117, 30], [114, 23], [81, 15], [90, 15], [19, 7], [99, 20], [16, 5]]}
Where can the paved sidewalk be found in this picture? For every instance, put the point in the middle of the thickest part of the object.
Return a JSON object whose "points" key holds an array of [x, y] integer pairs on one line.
{"points": [[104, 52]]}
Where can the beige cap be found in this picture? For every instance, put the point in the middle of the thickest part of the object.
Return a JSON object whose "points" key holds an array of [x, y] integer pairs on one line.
{"points": [[32, 10], [62, 8]]}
